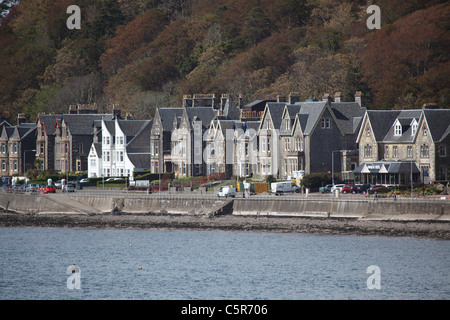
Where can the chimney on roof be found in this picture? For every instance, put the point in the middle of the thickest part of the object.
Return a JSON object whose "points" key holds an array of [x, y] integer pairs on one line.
{"points": [[187, 100], [116, 110], [326, 97], [128, 116], [359, 98], [430, 105], [20, 118], [293, 97], [281, 98], [338, 97], [73, 109]]}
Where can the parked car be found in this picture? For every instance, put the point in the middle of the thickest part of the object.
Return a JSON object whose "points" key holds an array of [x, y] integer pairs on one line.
{"points": [[227, 192], [84, 180], [69, 188], [378, 187], [49, 189], [364, 188], [337, 187], [326, 189], [355, 188], [32, 187], [347, 188], [58, 184]]}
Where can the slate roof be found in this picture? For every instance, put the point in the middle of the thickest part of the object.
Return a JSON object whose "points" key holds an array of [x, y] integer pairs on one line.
{"points": [[309, 115], [98, 149], [48, 121], [167, 115], [349, 115], [383, 123], [226, 125], [141, 141], [439, 123], [140, 161], [82, 124], [205, 114], [275, 110]]}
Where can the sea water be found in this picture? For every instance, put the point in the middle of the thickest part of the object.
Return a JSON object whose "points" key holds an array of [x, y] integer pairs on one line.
{"points": [[186, 264]]}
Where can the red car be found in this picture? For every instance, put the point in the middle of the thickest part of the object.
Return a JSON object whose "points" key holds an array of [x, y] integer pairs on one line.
{"points": [[348, 188], [49, 189]]}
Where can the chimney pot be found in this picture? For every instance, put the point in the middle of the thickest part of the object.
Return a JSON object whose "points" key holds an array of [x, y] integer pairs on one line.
{"points": [[359, 98]]}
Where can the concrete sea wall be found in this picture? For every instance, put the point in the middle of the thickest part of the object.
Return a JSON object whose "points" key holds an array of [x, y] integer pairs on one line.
{"points": [[194, 205], [362, 209]]}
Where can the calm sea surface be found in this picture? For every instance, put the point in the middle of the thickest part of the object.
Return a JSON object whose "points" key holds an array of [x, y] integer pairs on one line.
{"points": [[181, 264]]}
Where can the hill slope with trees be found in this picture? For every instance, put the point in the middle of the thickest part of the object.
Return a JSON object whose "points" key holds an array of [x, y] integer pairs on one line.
{"points": [[144, 54]]}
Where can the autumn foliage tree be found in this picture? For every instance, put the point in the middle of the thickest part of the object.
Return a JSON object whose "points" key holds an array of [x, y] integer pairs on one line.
{"points": [[400, 56]]}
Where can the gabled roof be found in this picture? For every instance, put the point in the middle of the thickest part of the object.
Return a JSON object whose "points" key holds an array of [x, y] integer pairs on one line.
{"points": [[22, 130], [309, 115], [48, 122], [167, 116], [130, 128], [348, 115], [225, 125], [275, 111], [141, 141], [139, 161], [204, 114], [82, 124], [438, 121], [383, 123]]}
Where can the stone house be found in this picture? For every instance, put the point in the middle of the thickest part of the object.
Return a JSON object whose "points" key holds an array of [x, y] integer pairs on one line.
{"points": [[397, 144], [296, 135], [73, 140], [45, 140], [17, 147]]}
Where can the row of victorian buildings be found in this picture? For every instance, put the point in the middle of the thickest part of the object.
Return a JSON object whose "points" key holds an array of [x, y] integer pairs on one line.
{"points": [[210, 135]]}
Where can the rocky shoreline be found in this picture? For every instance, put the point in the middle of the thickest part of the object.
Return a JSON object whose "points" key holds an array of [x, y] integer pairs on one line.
{"points": [[334, 226]]}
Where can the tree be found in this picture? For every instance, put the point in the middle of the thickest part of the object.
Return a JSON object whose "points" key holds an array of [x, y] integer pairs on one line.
{"points": [[399, 55], [256, 27], [292, 12], [129, 38], [108, 19]]}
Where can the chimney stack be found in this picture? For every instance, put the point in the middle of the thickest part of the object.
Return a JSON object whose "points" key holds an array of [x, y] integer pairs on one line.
{"points": [[281, 98], [326, 97], [294, 97], [359, 98], [338, 97], [20, 118], [116, 111]]}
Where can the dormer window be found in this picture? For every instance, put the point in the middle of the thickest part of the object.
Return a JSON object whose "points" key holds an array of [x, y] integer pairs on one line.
{"points": [[397, 129], [414, 126]]}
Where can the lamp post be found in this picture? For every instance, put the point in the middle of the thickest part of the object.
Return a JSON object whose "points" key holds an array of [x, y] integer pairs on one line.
{"points": [[24, 154]]}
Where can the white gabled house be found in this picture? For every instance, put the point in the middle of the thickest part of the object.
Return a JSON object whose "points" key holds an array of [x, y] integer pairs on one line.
{"points": [[95, 160], [124, 148]]}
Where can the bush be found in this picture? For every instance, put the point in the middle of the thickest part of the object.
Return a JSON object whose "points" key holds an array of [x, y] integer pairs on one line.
{"points": [[318, 179]]}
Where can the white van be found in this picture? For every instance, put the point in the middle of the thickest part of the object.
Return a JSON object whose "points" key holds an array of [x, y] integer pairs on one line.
{"points": [[284, 187], [227, 192]]}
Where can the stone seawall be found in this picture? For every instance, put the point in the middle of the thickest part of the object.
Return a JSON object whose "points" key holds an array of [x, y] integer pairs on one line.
{"points": [[438, 210], [362, 209]]}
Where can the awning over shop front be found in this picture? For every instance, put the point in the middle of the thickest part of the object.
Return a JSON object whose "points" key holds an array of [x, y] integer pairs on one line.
{"points": [[387, 167]]}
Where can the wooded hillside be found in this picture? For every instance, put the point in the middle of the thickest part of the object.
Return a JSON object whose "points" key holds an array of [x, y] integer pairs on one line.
{"points": [[143, 54]]}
